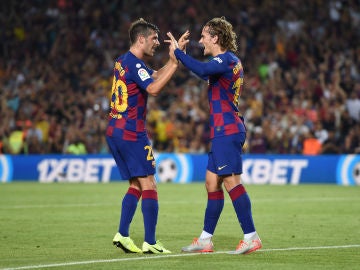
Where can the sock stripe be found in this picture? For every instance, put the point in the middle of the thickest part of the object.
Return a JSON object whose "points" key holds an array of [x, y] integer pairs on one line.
{"points": [[135, 192], [216, 195], [150, 194], [236, 192]]}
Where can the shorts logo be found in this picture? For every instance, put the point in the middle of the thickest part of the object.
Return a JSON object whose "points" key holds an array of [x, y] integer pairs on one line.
{"points": [[143, 74], [222, 167]]}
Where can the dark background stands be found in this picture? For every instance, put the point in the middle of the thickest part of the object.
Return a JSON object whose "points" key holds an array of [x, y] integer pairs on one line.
{"points": [[301, 61]]}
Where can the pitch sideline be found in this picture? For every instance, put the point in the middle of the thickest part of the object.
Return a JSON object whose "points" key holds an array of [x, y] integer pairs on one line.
{"points": [[151, 257]]}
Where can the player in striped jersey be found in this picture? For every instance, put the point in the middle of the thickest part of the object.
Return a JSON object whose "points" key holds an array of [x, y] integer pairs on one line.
{"points": [[127, 138], [225, 74]]}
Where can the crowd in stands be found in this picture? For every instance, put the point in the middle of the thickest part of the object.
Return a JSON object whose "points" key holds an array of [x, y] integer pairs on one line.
{"points": [[301, 61]]}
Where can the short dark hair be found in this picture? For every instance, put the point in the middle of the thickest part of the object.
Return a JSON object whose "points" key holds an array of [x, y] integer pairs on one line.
{"points": [[224, 30], [141, 27]]}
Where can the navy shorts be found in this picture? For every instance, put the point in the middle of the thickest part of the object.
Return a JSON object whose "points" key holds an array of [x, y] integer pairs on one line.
{"points": [[225, 154], [134, 159]]}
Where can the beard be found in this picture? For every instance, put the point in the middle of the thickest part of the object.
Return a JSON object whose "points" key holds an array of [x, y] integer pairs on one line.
{"points": [[150, 52]]}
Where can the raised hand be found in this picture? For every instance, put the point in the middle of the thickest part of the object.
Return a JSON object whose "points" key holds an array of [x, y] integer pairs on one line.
{"points": [[183, 40], [172, 46], [173, 43]]}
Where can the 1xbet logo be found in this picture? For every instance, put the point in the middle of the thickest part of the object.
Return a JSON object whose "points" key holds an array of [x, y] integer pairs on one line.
{"points": [[76, 170]]}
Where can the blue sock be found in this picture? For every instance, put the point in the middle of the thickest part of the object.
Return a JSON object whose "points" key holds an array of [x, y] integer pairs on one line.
{"points": [[215, 205], [242, 206], [150, 209], [128, 209]]}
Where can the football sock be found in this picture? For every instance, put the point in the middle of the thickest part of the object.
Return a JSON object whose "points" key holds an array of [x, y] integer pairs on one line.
{"points": [[129, 204], [150, 209], [215, 205], [205, 236], [242, 206], [249, 236]]}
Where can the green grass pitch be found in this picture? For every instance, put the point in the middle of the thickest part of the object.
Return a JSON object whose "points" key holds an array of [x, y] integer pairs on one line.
{"points": [[71, 226]]}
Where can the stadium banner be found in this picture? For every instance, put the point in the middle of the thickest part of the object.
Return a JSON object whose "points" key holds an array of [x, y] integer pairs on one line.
{"points": [[184, 168]]}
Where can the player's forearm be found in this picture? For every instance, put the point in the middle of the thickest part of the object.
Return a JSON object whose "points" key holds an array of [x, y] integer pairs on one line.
{"points": [[159, 72], [163, 76], [191, 63]]}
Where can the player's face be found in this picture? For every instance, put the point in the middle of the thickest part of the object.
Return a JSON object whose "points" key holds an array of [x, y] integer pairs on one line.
{"points": [[151, 43], [206, 40]]}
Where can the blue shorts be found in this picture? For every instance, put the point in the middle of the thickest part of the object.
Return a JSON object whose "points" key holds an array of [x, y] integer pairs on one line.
{"points": [[134, 159], [225, 154]]}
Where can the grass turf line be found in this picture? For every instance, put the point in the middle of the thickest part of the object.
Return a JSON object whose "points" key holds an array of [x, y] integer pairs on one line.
{"points": [[43, 224]]}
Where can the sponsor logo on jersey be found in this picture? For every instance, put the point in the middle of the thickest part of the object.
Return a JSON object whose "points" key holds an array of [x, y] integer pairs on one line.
{"points": [[218, 59]]}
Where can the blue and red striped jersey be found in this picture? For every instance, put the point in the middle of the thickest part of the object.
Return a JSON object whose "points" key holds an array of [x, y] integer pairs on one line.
{"points": [[225, 76], [127, 116]]}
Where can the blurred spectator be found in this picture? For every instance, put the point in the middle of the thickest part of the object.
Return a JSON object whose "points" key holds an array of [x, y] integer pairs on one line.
{"points": [[352, 140], [331, 145], [257, 142], [76, 147], [320, 133], [311, 145], [353, 106], [16, 143]]}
